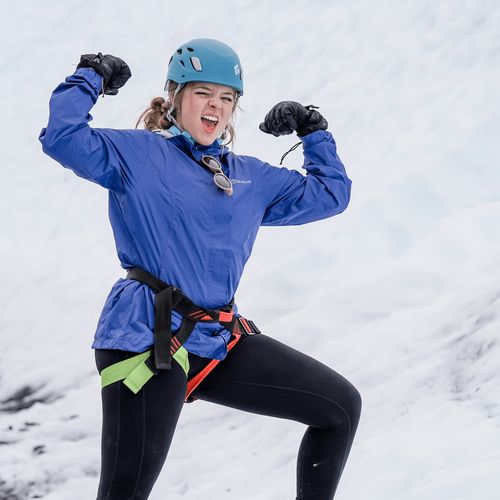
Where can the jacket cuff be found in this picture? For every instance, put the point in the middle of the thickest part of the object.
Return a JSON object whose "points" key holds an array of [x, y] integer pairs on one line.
{"points": [[316, 137], [89, 76]]}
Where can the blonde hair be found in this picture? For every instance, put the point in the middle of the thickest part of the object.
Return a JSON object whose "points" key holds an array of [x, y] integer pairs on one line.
{"points": [[161, 113]]}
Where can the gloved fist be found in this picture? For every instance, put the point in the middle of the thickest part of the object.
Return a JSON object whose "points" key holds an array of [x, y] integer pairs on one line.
{"points": [[114, 71], [289, 116]]}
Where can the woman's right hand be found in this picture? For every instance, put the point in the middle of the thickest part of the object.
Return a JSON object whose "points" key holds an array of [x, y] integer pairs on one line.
{"points": [[114, 71]]}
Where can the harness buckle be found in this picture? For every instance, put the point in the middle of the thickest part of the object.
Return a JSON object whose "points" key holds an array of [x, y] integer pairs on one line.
{"points": [[248, 327], [151, 365]]}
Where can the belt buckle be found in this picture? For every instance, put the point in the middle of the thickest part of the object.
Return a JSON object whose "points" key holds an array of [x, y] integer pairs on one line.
{"points": [[245, 326]]}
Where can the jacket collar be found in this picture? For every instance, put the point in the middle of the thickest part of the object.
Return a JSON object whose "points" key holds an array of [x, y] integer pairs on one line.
{"points": [[186, 143]]}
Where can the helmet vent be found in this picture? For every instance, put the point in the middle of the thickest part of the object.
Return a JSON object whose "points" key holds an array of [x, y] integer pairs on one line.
{"points": [[169, 62], [190, 49], [182, 62], [196, 63], [179, 51]]}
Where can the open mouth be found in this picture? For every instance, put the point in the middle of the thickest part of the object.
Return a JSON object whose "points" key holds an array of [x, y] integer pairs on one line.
{"points": [[209, 123]]}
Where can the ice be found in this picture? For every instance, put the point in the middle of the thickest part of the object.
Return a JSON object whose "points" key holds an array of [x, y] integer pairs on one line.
{"points": [[399, 294]]}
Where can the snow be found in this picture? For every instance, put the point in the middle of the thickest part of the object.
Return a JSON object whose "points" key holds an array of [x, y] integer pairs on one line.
{"points": [[399, 294]]}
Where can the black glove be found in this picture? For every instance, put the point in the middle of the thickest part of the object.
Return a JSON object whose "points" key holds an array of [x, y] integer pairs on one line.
{"points": [[114, 71], [289, 116]]}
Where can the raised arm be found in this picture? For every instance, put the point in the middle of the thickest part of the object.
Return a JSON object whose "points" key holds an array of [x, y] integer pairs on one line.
{"points": [[98, 155], [292, 198]]}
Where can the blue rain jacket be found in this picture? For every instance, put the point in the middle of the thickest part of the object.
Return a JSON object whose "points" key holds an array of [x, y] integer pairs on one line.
{"points": [[169, 218]]}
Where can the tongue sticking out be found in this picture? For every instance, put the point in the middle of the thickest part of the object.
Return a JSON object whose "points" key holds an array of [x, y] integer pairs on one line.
{"points": [[208, 125]]}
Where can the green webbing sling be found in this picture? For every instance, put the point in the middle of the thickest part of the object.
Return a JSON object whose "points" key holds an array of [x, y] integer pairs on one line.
{"points": [[135, 372]]}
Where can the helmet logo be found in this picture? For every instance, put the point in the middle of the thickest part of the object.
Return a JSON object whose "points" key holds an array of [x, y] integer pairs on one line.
{"points": [[236, 69]]}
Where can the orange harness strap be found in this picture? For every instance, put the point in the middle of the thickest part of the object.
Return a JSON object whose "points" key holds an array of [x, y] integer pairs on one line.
{"points": [[199, 377]]}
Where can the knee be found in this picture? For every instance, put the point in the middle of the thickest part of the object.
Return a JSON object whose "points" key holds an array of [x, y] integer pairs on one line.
{"points": [[346, 410], [353, 405]]}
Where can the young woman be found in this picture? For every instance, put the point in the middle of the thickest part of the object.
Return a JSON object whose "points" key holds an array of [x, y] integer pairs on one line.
{"points": [[185, 212]]}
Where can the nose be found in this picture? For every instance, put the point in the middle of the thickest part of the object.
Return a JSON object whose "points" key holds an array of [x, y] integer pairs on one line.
{"points": [[215, 102]]}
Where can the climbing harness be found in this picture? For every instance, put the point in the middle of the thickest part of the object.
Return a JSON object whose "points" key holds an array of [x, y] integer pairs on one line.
{"points": [[137, 370]]}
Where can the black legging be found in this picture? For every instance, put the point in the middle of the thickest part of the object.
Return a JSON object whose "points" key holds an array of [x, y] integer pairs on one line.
{"points": [[260, 375]]}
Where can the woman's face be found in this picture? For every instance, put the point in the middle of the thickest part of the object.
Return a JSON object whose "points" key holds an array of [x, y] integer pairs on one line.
{"points": [[205, 110]]}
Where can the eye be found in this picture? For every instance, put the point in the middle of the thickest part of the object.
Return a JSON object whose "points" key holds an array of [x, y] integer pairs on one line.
{"points": [[200, 92], [227, 99]]}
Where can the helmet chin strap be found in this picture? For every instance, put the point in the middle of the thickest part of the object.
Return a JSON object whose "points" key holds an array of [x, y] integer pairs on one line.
{"points": [[171, 109]]}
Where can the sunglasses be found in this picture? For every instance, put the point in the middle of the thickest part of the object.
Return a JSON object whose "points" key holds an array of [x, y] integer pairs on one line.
{"points": [[220, 179]]}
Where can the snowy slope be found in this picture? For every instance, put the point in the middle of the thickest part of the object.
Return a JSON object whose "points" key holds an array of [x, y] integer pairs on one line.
{"points": [[400, 293]]}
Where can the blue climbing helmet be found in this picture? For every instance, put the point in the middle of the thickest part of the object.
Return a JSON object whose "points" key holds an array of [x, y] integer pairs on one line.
{"points": [[206, 60]]}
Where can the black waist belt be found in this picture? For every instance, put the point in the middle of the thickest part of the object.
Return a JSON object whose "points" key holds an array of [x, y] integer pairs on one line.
{"points": [[168, 298]]}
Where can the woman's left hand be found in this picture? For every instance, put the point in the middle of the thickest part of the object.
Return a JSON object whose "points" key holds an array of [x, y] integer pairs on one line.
{"points": [[287, 117]]}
